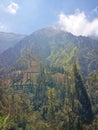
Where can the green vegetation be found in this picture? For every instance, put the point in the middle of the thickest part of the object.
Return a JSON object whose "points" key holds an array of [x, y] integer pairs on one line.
{"points": [[43, 88], [49, 103]]}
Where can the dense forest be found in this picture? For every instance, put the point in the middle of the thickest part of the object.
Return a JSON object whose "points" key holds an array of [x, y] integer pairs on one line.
{"points": [[51, 99]]}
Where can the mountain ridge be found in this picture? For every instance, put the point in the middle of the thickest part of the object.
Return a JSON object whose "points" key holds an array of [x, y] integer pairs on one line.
{"points": [[8, 40], [54, 47]]}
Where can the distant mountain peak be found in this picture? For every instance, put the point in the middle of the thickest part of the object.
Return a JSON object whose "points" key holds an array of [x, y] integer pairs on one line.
{"points": [[8, 40]]}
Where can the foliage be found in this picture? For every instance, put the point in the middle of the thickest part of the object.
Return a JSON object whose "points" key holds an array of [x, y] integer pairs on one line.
{"points": [[49, 104]]}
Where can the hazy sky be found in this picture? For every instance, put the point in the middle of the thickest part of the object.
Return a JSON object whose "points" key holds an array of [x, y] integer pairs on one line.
{"points": [[79, 17]]}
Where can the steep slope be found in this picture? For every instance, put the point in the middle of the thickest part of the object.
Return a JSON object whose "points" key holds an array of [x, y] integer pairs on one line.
{"points": [[8, 40], [53, 46]]}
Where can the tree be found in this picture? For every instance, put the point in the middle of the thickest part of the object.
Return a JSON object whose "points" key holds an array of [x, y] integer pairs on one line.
{"points": [[81, 95]]}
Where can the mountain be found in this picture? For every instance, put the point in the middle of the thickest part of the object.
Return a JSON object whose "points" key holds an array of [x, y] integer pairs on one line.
{"points": [[41, 86], [8, 40], [55, 47]]}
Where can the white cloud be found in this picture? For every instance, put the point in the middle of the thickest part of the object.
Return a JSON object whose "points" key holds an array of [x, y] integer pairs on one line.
{"points": [[3, 27], [12, 8], [78, 24]]}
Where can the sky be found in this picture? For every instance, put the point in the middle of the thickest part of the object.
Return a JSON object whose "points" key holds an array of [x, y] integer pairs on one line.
{"points": [[80, 17]]}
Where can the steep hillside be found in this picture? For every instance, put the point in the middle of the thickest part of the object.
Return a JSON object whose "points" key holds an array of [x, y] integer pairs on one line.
{"points": [[55, 47]]}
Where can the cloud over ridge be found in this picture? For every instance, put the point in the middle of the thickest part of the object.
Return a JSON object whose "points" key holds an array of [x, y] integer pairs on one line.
{"points": [[78, 24]]}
